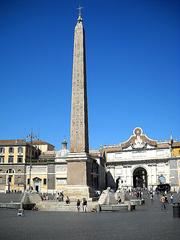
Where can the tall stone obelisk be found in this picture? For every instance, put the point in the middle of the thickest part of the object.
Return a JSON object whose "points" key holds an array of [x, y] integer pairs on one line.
{"points": [[78, 162], [79, 113]]}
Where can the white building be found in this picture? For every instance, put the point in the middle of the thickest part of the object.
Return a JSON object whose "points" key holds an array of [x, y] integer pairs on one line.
{"points": [[140, 162]]}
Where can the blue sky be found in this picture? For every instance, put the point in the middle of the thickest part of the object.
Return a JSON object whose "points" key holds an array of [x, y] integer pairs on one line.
{"points": [[133, 59]]}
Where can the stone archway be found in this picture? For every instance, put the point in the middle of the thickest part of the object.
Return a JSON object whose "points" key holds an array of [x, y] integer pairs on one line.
{"points": [[37, 184], [10, 179], [140, 178]]}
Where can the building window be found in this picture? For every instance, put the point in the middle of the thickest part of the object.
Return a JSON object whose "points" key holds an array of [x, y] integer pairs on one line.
{"points": [[28, 181], [2, 150], [10, 171], [44, 181], [10, 159], [20, 150], [11, 150], [1, 159], [20, 159]]}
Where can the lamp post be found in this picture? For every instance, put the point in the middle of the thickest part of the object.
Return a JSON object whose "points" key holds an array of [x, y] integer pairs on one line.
{"points": [[30, 139]]}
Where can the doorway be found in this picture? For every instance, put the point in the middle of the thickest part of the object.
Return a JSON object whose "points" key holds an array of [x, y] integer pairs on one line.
{"points": [[10, 180], [37, 184], [140, 178]]}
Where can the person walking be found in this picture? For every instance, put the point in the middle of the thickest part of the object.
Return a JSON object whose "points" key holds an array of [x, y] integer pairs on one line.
{"points": [[67, 200], [84, 203], [172, 198], [61, 196], [78, 204], [162, 201], [166, 198], [151, 196]]}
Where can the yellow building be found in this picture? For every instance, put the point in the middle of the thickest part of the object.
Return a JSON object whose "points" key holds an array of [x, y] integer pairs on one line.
{"points": [[176, 155], [19, 163], [176, 149], [13, 157]]}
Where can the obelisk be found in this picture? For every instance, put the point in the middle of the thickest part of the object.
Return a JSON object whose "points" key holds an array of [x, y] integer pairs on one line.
{"points": [[79, 113], [78, 161]]}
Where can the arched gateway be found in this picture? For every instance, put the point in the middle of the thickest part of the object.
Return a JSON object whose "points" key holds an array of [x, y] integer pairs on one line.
{"points": [[140, 178]]}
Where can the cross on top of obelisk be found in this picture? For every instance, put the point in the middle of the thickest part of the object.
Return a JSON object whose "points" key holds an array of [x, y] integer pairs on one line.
{"points": [[80, 13]]}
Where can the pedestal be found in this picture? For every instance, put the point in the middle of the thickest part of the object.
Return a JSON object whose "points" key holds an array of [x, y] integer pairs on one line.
{"points": [[79, 179], [75, 192]]}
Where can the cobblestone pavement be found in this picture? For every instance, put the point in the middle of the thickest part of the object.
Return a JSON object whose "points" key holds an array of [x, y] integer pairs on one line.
{"points": [[147, 222]]}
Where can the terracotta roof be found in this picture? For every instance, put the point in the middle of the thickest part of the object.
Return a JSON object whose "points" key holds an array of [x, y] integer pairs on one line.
{"points": [[163, 145], [40, 142], [176, 144], [48, 155], [13, 142]]}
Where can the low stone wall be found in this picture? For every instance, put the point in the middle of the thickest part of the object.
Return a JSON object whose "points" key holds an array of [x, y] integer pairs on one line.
{"points": [[118, 207], [10, 205]]}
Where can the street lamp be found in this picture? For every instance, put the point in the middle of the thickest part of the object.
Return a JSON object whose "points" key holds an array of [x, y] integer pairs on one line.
{"points": [[30, 138]]}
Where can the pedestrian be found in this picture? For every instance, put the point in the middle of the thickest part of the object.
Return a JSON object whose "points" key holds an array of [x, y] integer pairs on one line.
{"points": [[119, 200], [162, 201], [61, 196], [137, 194], [172, 198], [140, 194], [151, 196], [67, 200], [166, 198], [84, 203], [78, 204]]}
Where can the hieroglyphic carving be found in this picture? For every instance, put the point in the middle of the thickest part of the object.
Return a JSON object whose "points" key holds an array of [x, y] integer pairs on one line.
{"points": [[79, 116]]}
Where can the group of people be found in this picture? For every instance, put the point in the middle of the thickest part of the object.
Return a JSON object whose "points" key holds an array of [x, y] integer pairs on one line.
{"points": [[84, 205], [60, 196], [79, 203]]}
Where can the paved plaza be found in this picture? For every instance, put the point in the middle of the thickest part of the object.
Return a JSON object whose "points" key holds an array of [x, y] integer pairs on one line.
{"points": [[147, 222]]}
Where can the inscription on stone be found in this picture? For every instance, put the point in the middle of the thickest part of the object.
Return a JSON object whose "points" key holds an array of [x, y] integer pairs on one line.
{"points": [[79, 121]]}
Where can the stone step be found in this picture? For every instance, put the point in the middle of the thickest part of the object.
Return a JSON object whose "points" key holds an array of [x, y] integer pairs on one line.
{"points": [[61, 206], [10, 197], [57, 207]]}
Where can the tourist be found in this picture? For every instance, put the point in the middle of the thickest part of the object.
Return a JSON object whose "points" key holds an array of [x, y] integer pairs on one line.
{"points": [[140, 194], [78, 204], [84, 203], [61, 196], [57, 196], [166, 198], [137, 194], [172, 198], [67, 200], [119, 200], [162, 201]]}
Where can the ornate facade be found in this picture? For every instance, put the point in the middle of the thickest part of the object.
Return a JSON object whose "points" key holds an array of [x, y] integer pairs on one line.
{"points": [[142, 162]]}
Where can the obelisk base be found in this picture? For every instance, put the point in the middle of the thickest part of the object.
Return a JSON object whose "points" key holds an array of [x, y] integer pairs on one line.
{"points": [[79, 183], [75, 192]]}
